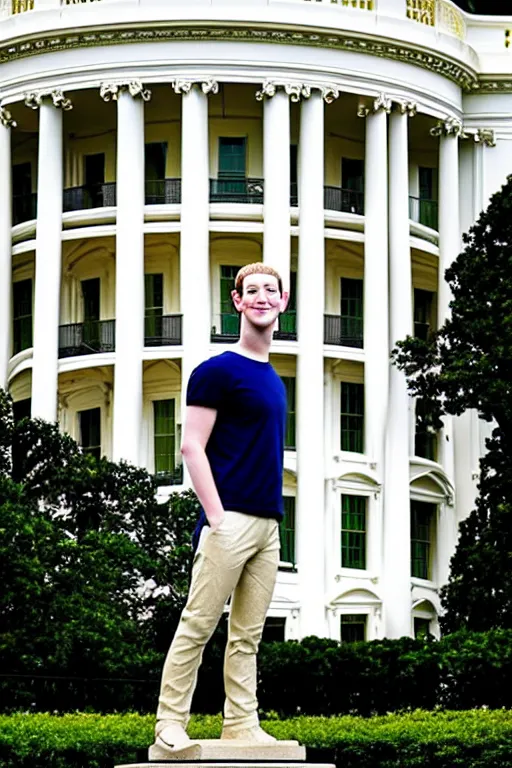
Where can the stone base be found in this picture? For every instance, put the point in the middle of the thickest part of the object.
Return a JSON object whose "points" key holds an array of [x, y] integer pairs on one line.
{"points": [[234, 763], [228, 750]]}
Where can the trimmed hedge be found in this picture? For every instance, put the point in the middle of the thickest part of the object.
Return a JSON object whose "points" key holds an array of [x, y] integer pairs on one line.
{"points": [[475, 739]]}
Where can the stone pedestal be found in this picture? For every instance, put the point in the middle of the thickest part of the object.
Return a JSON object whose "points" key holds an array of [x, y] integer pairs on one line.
{"points": [[220, 754]]}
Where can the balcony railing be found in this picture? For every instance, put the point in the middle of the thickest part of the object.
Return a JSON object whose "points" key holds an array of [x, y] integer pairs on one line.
{"points": [[87, 338], [236, 190], [89, 196], [163, 192], [438, 13], [162, 330], [287, 327], [225, 327], [345, 200], [24, 207], [343, 331], [174, 477], [424, 212]]}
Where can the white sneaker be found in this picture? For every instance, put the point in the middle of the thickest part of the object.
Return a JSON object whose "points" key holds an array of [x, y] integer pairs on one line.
{"points": [[252, 735]]}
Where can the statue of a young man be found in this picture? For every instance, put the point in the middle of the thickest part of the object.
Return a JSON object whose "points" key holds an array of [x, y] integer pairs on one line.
{"points": [[233, 446]]}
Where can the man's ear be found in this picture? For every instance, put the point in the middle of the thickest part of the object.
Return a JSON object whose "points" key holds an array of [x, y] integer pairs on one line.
{"points": [[237, 299], [285, 297]]}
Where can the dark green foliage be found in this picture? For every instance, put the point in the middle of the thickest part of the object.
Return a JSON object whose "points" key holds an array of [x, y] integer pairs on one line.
{"points": [[322, 677], [477, 739], [94, 572], [468, 365]]}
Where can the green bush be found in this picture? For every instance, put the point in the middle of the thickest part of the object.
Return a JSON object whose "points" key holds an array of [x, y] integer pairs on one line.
{"points": [[475, 739]]}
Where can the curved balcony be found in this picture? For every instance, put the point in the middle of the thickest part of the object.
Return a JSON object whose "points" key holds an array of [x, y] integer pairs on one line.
{"points": [[88, 338], [343, 200], [343, 331], [89, 196], [162, 330], [424, 212], [236, 190]]}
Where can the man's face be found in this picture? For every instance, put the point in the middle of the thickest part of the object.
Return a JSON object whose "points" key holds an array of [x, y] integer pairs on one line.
{"points": [[261, 301]]}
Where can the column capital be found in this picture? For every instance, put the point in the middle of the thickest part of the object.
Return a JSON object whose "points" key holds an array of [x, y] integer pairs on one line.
{"points": [[383, 101], [184, 85], [111, 91], [297, 91], [483, 136], [6, 119], [34, 99], [404, 107], [449, 127]]}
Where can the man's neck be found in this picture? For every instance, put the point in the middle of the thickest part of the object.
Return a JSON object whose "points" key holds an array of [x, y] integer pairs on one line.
{"points": [[254, 344]]}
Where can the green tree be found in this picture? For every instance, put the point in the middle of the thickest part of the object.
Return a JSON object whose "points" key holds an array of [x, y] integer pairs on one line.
{"points": [[468, 365], [94, 570]]}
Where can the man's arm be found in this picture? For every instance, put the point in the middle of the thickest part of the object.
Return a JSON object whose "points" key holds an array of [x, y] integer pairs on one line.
{"points": [[199, 423]]}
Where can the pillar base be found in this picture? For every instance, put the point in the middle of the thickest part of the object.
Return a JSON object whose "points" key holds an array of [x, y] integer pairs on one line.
{"points": [[228, 750]]}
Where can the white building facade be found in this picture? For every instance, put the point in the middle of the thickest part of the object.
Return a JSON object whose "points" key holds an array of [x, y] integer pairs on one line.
{"points": [[148, 150]]}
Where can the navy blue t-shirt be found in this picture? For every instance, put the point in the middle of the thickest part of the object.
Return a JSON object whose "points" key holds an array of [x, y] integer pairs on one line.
{"points": [[246, 446]]}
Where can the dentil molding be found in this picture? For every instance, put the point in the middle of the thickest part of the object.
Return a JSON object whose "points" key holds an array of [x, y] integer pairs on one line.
{"points": [[6, 119], [184, 85], [34, 99], [111, 91]]}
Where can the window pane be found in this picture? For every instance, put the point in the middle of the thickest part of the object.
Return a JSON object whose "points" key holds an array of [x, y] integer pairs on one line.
{"points": [[164, 436], [353, 627], [155, 160], [22, 315], [232, 157], [90, 431], [353, 531], [273, 631], [352, 174], [289, 438], [352, 417], [422, 518], [287, 531], [421, 627], [21, 409], [423, 302]]}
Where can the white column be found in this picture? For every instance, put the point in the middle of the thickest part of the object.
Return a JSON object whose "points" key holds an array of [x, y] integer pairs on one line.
{"points": [[396, 528], [449, 249], [6, 123], [195, 217], [129, 315], [376, 367], [276, 172], [48, 252], [310, 367]]}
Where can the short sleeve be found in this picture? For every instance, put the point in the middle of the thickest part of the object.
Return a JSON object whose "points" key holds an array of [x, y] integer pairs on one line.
{"points": [[207, 385]]}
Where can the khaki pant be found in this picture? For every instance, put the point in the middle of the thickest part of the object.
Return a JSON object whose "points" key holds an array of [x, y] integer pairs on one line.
{"points": [[239, 559]]}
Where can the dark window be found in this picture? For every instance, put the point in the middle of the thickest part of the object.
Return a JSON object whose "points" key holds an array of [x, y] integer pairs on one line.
{"points": [[352, 417], [289, 438], [293, 163], [22, 179], [232, 155], [426, 181], [351, 309], [154, 305], [273, 631], [423, 304], [352, 174], [421, 627], [90, 431], [91, 304], [22, 315], [230, 319], [155, 155], [287, 531], [425, 437], [353, 627], [428, 198], [94, 169], [21, 409], [353, 531], [164, 437], [422, 521]]}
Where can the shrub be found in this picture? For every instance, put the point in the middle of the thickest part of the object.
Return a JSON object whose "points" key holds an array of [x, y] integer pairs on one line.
{"points": [[477, 739]]}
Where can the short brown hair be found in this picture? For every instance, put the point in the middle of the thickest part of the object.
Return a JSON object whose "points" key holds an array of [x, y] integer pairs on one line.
{"points": [[258, 268]]}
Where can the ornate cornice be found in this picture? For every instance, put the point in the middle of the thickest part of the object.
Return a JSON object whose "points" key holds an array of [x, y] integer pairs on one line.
{"points": [[492, 86], [449, 127], [297, 91], [111, 91], [6, 119], [184, 85], [485, 136], [34, 99], [405, 52]]}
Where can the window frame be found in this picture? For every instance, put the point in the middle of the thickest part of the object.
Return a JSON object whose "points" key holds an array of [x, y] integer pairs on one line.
{"points": [[351, 415], [430, 558], [90, 449], [361, 532]]}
